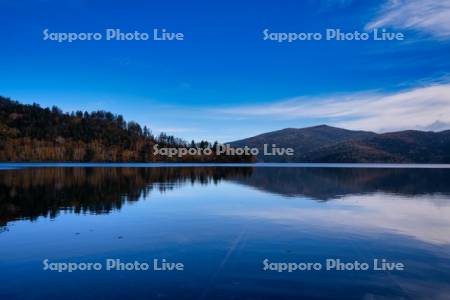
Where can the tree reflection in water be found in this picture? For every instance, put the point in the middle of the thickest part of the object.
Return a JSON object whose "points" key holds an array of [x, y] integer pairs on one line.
{"points": [[34, 192]]}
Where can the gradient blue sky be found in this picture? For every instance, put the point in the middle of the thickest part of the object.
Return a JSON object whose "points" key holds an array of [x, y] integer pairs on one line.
{"points": [[223, 81]]}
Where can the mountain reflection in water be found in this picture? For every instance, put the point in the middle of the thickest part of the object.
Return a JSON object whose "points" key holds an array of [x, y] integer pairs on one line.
{"points": [[33, 192], [222, 223]]}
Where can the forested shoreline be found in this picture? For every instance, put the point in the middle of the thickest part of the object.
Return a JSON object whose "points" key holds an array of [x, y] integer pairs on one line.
{"points": [[31, 133]]}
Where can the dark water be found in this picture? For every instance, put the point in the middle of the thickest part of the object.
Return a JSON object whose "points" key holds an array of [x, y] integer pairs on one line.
{"points": [[221, 223]]}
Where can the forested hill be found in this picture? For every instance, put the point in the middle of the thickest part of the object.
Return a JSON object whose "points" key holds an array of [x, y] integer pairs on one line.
{"points": [[33, 133], [326, 144]]}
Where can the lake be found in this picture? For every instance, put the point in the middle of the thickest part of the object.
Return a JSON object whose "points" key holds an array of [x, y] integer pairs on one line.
{"points": [[224, 231]]}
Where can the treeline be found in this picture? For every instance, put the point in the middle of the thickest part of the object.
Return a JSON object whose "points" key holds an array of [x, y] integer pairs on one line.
{"points": [[34, 133]]}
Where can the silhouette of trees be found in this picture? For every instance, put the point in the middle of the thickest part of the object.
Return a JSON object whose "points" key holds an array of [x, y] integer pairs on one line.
{"points": [[33, 133]]}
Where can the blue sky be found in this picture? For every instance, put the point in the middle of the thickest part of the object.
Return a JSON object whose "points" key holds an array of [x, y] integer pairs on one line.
{"points": [[224, 81]]}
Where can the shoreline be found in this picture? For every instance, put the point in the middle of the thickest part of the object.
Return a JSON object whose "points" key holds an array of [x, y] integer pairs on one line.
{"points": [[20, 165]]}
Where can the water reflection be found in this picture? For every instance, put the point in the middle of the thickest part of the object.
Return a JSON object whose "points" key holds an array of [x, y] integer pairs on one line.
{"points": [[330, 183], [424, 218], [30, 193], [222, 223], [418, 206], [35, 192]]}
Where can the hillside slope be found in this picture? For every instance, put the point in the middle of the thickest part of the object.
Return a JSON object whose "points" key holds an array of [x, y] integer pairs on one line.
{"points": [[33, 133], [329, 144]]}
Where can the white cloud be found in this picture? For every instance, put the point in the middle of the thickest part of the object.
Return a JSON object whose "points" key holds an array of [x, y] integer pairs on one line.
{"points": [[428, 16], [417, 108]]}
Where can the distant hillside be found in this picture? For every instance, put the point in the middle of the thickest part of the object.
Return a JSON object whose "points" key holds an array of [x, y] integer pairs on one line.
{"points": [[329, 144], [33, 133]]}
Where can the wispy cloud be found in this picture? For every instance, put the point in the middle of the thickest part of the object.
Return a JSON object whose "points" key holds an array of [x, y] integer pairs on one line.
{"points": [[418, 108], [428, 16]]}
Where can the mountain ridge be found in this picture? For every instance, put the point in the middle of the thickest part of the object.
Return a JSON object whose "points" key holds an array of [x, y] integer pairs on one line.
{"points": [[328, 144]]}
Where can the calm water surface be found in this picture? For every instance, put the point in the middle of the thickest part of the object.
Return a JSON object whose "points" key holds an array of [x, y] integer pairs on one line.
{"points": [[222, 223]]}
